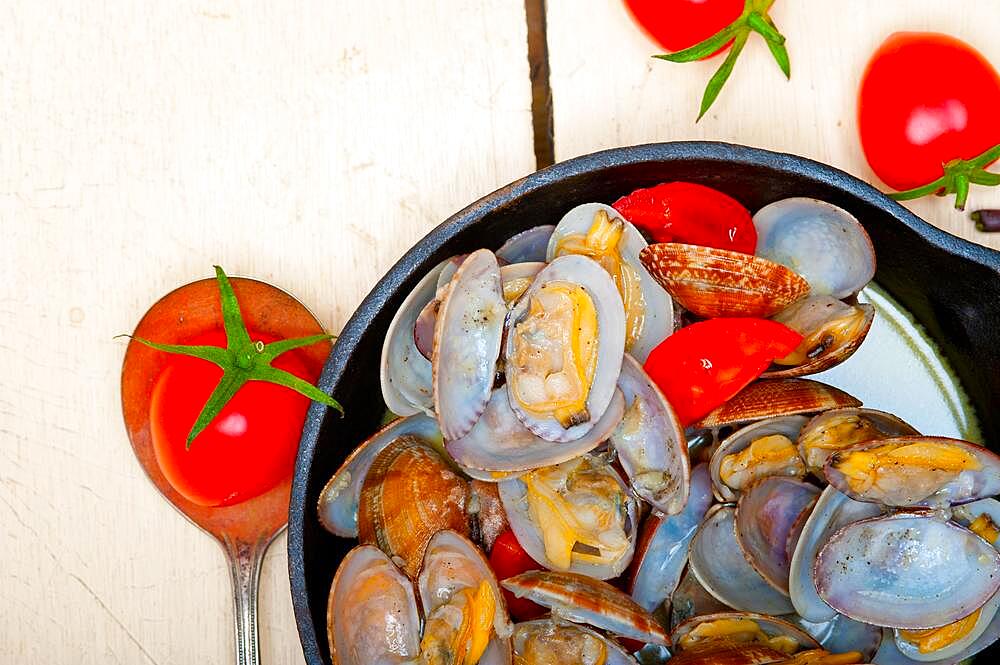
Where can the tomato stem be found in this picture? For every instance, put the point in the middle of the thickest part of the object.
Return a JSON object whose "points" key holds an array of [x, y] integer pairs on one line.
{"points": [[242, 360], [754, 18], [958, 175]]}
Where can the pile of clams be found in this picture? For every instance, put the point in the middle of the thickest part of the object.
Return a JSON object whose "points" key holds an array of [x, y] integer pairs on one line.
{"points": [[797, 526]]}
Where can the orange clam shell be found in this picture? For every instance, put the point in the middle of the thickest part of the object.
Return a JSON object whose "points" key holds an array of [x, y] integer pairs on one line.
{"points": [[409, 494], [777, 397], [711, 282], [608, 607]]}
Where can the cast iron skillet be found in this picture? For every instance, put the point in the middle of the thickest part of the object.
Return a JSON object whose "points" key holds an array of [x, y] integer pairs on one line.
{"points": [[950, 285]]}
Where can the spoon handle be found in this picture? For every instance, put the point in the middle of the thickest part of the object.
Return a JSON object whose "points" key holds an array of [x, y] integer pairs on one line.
{"points": [[244, 567]]}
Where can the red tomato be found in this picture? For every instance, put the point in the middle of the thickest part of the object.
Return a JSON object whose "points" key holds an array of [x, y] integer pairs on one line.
{"points": [[702, 365], [678, 24], [926, 99], [692, 214], [247, 449], [508, 558]]}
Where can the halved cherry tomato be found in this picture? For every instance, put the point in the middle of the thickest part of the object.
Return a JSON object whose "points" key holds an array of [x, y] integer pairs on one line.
{"points": [[692, 214], [678, 24], [927, 99], [508, 558], [702, 365], [247, 449]]}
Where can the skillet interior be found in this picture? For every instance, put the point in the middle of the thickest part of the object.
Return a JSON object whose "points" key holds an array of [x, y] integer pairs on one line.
{"points": [[951, 286]]}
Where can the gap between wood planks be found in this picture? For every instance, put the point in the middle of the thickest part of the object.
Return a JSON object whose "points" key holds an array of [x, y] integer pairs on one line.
{"points": [[541, 92]]}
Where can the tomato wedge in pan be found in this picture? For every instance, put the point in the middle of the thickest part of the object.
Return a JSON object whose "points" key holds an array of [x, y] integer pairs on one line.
{"points": [[702, 365]]}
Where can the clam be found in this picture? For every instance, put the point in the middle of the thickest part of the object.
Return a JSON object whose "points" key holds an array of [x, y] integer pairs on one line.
{"points": [[563, 354], [582, 599], [467, 343], [662, 548], [823, 243], [724, 652], [517, 277], [908, 570], [577, 516], [955, 640], [831, 330], [464, 611], [409, 494], [405, 373], [711, 282], [765, 448], [776, 397], [530, 245], [500, 446], [832, 511], [767, 516], [372, 614], [338, 502], [719, 564], [889, 652], [742, 628], [837, 429], [599, 232], [547, 642], [915, 470], [650, 442]]}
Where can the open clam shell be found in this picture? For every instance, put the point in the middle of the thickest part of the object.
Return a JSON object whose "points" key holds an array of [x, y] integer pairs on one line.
{"points": [[983, 623], [652, 317], [832, 511], [915, 471], [738, 441], [452, 563], [650, 442], [530, 534], [530, 245], [766, 518], [610, 317], [776, 397], [712, 282], [369, 593], [717, 561], [818, 240], [406, 375], [832, 331], [724, 652], [662, 549], [889, 653], [837, 429], [409, 494], [906, 570], [582, 599], [770, 626], [467, 343], [338, 502], [549, 642], [500, 444]]}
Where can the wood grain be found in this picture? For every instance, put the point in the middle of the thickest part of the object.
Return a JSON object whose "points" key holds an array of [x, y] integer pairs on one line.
{"points": [[306, 144], [607, 91]]}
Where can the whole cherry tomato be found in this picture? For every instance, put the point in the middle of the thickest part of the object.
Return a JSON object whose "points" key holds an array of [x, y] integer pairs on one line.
{"points": [[927, 102], [678, 24], [692, 214], [508, 558], [247, 449], [702, 365]]}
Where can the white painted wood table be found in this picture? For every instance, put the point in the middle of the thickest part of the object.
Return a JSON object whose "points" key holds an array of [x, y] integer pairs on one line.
{"points": [[309, 145]]}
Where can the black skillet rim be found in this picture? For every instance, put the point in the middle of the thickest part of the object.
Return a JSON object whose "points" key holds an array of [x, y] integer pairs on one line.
{"points": [[792, 165]]}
